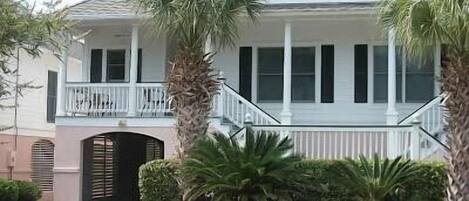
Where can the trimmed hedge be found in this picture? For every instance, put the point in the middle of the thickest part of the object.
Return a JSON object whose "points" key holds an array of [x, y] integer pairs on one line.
{"points": [[19, 191], [158, 182]]}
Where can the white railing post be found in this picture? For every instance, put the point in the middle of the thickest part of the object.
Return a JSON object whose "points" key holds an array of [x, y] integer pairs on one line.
{"points": [[61, 90], [221, 95], [415, 140], [133, 72]]}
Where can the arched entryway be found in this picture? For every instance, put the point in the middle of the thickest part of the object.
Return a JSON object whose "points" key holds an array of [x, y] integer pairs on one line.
{"points": [[111, 162]]}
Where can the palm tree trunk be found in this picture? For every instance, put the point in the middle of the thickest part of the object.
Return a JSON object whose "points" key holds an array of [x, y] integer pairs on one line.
{"points": [[192, 85], [455, 75]]}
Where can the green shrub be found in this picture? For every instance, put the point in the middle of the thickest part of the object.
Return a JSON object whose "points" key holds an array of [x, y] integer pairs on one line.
{"points": [[428, 185], [158, 181], [8, 190], [28, 191]]}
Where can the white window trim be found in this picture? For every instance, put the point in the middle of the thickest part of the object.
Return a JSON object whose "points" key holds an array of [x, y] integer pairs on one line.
{"points": [[437, 67], [317, 73], [104, 61]]}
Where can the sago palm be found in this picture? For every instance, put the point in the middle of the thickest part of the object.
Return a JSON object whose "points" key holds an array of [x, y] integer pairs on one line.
{"points": [[375, 180], [422, 23], [192, 82], [264, 169]]}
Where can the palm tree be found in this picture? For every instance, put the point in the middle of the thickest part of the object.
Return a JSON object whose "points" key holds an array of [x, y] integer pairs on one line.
{"points": [[375, 180], [261, 170], [192, 83], [422, 23]]}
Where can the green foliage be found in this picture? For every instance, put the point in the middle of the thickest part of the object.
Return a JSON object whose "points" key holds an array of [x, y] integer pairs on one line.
{"points": [[192, 22], [8, 190], [28, 191], [319, 184], [429, 184], [263, 169], [25, 28], [158, 181], [423, 23], [375, 180]]}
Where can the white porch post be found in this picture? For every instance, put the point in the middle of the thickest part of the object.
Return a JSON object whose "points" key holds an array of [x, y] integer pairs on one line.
{"points": [[391, 113], [133, 72], [286, 113], [61, 91], [208, 44]]}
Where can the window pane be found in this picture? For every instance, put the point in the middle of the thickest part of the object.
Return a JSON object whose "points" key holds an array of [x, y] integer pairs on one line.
{"points": [[116, 56], [270, 88], [303, 59], [380, 62], [420, 78], [419, 87], [116, 65], [270, 60], [303, 87]]}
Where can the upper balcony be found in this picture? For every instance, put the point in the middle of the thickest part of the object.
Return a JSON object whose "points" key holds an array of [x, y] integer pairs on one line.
{"points": [[115, 99]]}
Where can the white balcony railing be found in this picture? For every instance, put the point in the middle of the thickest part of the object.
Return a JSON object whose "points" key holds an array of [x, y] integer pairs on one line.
{"points": [[112, 99], [152, 99], [96, 99]]}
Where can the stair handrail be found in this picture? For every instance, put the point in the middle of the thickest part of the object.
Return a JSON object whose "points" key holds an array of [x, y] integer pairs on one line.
{"points": [[437, 100], [256, 110]]}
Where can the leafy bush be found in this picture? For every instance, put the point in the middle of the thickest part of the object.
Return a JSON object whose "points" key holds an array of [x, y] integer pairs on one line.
{"points": [[375, 180], [158, 181], [428, 184], [8, 190], [28, 191], [262, 169]]}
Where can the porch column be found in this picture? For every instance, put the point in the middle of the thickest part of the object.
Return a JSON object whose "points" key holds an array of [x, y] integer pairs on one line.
{"points": [[391, 113], [133, 72], [61, 91], [286, 113], [208, 44]]}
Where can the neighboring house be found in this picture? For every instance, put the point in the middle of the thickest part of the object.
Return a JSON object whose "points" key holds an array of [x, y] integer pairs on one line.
{"points": [[34, 156], [336, 91]]}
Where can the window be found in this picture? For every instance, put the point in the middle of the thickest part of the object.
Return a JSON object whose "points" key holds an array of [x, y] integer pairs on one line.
{"points": [[116, 65], [303, 69], [416, 84], [270, 74], [42, 163], [51, 96], [103, 172]]}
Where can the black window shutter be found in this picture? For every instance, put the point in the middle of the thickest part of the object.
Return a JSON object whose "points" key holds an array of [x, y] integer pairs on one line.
{"points": [[361, 73], [51, 95], [139, 66], [327, 74], [245, 72], [96, 65]]}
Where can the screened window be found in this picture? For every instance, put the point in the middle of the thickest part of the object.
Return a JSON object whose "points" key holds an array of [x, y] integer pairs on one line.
{"points": [[270, 74], [42, 164], [303, 68], [416, 84], [116, 65]]}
